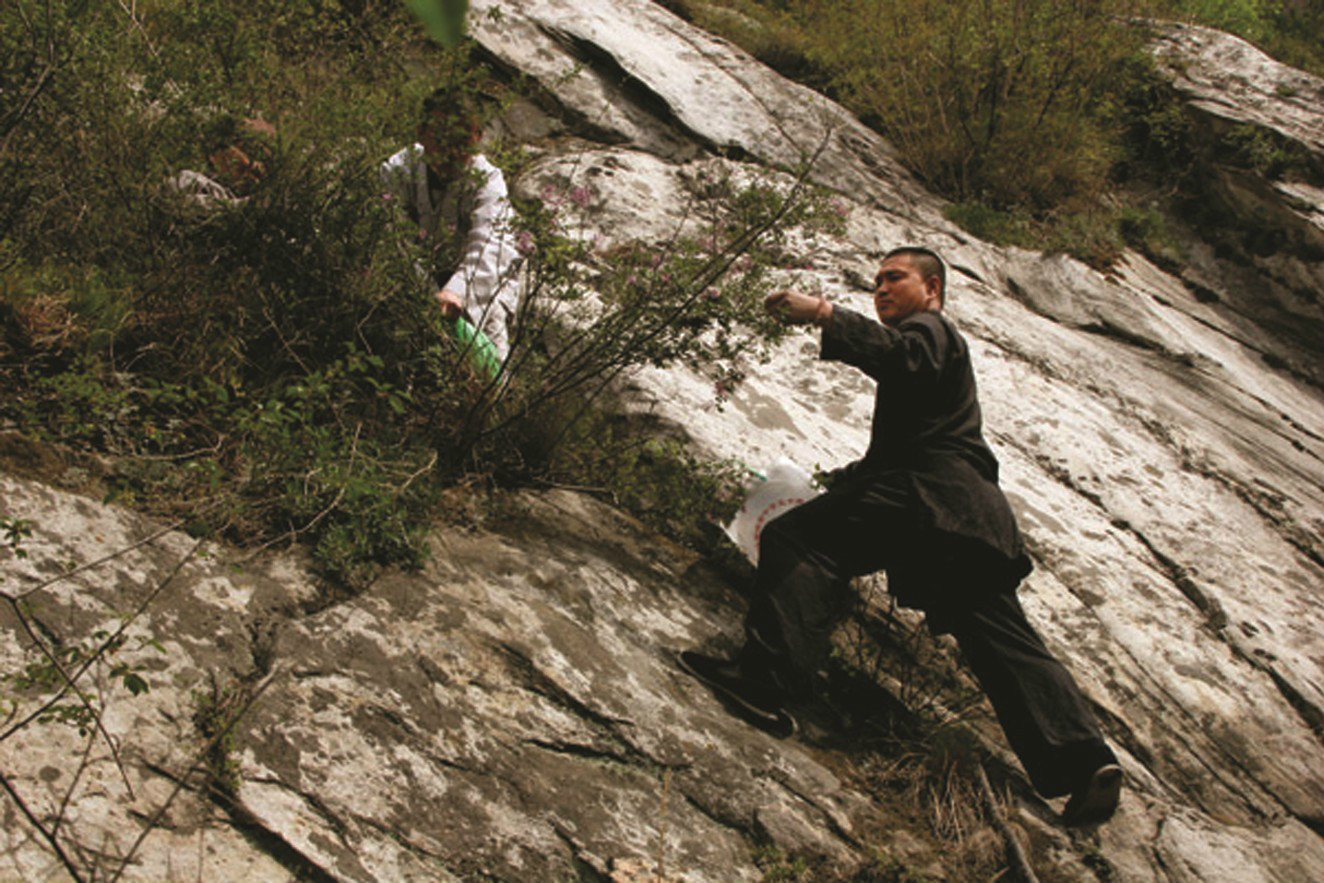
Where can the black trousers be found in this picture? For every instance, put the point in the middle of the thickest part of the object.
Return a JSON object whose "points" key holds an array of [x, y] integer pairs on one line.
{"points": [[805, 558]]}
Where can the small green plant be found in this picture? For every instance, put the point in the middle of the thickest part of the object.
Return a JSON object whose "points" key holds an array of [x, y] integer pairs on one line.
{"points": [[61, 664], [216, 709], [15, 531], [1246, 18], [1263, 151], [778, 866]]}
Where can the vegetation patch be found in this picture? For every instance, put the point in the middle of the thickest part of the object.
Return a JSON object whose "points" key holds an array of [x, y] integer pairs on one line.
{"points": [[1044, 122], [266, 368]]}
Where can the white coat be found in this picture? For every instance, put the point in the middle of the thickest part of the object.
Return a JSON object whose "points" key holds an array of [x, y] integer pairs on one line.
{"points": [[477, 207]]}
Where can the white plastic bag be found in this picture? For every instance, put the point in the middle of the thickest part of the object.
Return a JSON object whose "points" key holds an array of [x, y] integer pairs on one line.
{"points": [[786, 486]]}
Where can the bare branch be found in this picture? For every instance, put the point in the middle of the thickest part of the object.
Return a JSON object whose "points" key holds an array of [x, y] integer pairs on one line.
{"points": [[91, 564], [41, 829], [71, 679], [1015, 850], [198, 762]]}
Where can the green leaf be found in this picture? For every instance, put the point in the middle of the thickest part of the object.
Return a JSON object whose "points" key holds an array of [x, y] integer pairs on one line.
{"points": [[443, 19]]}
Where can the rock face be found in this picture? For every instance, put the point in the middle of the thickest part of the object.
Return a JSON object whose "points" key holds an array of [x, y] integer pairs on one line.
{"points": [[1261, 248], [512, 712]]}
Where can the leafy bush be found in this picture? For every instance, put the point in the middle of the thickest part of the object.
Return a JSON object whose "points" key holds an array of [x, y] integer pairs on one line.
{"points": [[1293, 34], [1027, 115], [968, 90], [268, 368], [1246, 18]]}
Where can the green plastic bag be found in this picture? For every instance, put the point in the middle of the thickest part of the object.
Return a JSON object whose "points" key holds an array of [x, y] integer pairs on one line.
{"points": [[482, 352]]}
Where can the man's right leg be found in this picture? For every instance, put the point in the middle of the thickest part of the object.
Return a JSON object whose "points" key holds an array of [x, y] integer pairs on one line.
{"points": [[804, 558]]}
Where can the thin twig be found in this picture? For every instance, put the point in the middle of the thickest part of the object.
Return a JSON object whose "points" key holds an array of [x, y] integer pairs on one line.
{"points": [[198, 761], [580, 488], [42, 79], [426, 467], [83, 764], [97, 563], [295, 532], [138, 26], [1015, 851], [48, 836], [340, 494], [662, 827], [95, 656]]}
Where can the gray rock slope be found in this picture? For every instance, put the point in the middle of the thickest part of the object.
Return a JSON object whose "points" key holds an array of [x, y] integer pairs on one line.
{"points": [[512, 712]]}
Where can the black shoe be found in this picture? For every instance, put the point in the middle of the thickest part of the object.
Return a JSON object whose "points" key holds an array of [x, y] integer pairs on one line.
{"points": [[1095, 802], [759, 704]]}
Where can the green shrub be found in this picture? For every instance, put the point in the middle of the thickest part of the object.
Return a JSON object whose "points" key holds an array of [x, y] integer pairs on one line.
{"points": [[1245, 18], [1267, 153], [269, 369], [968, 91], [1026, 115], [1292, 34]]}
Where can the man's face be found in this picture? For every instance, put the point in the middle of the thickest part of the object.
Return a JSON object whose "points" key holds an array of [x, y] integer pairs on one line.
{"points": [[444, 153], [900, 291]]}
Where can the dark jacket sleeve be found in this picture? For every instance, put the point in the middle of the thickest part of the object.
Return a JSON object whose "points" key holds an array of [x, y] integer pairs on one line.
{"points": [[915, 351]]}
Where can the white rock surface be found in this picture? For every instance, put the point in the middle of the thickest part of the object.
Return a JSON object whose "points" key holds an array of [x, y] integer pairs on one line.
{"points": [[1224, 75]]}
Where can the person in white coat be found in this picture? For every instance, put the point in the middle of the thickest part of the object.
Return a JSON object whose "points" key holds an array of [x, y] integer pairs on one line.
{"points": [[456, 209]]}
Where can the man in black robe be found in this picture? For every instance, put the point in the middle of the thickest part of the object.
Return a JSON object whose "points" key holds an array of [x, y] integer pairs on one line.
{"points": [[924, 505]]}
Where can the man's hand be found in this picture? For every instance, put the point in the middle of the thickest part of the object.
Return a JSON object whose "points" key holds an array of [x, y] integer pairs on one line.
{"points": [[452, 305], [794, 308]]}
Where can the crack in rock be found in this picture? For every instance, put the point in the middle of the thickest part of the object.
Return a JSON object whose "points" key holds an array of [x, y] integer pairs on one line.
{"points": [[1209, 606], [1215, 620], [334, 821], [538, 681], [585, 752], [634, 97], [300, 865], [583, 858]]}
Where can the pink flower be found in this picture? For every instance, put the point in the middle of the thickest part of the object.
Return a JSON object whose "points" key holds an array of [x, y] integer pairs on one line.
{"points": [[524, 242], [581, 196]]}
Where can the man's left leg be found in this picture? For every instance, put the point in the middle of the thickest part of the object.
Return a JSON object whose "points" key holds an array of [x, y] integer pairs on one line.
{"points": [[1046, 718]]}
